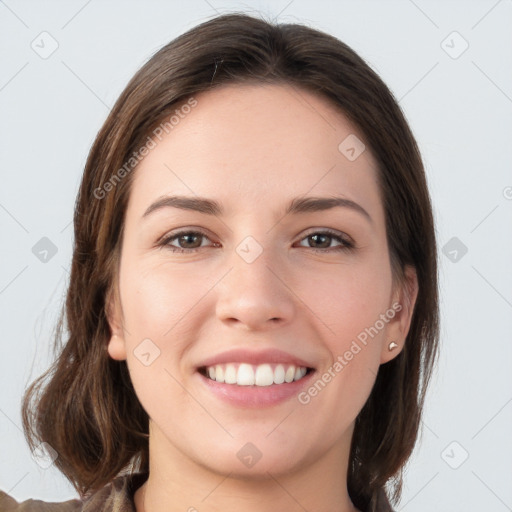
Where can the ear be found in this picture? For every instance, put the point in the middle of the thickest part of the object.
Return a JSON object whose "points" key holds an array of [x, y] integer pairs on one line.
{"points": [[116, 345], [404, 300]]}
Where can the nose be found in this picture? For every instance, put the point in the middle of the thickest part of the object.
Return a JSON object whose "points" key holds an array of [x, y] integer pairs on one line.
{"points": [[255, 296]]}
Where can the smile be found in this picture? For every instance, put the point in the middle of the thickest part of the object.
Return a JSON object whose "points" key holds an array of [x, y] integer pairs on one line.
{"points": [[245, 374]]}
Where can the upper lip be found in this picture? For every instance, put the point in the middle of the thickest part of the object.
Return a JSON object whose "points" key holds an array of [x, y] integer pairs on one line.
{"points": [[255, 357]]}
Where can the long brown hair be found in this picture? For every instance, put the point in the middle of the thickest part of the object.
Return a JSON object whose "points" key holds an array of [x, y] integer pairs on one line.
{"points": [[85, 406]]}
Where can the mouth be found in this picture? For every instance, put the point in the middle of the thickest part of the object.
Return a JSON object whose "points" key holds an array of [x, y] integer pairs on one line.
{"points": [[258, 375], [247, 378]]}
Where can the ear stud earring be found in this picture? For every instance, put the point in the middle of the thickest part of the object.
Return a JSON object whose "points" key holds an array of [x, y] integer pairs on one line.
{"points": [[392, 346]]}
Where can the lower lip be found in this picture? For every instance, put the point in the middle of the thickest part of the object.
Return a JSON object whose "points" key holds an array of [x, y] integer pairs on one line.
{"points": [[256, 396]]}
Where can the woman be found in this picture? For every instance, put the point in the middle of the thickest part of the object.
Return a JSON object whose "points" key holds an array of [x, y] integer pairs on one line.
{"points": [[252, 311]]}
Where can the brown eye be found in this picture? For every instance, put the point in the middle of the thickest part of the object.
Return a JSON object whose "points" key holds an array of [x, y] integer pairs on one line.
{"points": [[185, 241], [189, 240], [323, 241]]}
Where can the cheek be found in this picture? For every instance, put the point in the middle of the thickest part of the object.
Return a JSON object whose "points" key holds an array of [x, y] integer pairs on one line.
{"points": [[164, 304], [157, 299], [347, 300], [349, 303], [160, 305]]}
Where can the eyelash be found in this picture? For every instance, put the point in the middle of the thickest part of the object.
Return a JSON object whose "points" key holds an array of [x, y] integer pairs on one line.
{"points": [[346, 245]]}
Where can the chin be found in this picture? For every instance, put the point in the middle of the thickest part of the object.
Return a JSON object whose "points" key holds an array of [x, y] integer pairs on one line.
{"points": [[240, 465], [253, 455]]}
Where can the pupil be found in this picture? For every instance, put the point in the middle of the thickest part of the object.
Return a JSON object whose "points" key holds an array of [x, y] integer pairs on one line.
{"points": [[316, 237], [186, 239]]}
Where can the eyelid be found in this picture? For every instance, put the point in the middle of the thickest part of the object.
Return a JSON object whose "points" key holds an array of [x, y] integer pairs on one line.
{"points": [[329, 231], [183, 230], [165, 240], [346, 242]]}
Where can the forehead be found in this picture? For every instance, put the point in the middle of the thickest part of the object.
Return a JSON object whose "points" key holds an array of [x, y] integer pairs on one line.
{"points": [[259, 143]]}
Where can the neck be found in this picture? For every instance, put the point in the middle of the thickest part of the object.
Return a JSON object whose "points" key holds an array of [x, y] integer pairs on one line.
{"points": [[177, 483]]}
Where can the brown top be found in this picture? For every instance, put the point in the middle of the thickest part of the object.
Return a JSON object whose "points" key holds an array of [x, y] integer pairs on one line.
{"points": [[114, 497]]}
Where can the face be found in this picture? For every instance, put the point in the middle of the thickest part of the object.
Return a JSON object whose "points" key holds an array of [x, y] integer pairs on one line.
{"points": [[289, 301]]}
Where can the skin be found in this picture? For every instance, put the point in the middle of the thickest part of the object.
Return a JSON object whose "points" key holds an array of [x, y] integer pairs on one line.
{"points": [[253, 148]]}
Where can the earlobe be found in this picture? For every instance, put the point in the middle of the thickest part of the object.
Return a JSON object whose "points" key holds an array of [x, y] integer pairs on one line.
{"points": [[390, 350], [116, 348], [403, 305], [116, 345], [392, 346]]}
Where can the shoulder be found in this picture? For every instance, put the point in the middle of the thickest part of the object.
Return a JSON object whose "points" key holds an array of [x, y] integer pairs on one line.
{"points": [[9, 504], [114, 497]]}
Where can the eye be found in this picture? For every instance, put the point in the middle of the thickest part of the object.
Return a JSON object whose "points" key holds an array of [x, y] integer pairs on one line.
{"points": [[322, 240], [185, 241]]}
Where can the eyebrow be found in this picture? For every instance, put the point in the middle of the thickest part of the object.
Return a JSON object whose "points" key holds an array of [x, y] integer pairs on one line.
{"points": [[296, 206]]}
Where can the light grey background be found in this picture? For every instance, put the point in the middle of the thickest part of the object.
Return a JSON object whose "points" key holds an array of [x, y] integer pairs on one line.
{"points": [[460, 108]]}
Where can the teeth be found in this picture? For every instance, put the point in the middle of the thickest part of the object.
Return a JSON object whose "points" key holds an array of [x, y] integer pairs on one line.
{"points": [[264, 375], [289, 375], [279, 374], [230, 374], [299, 373], [244, 374]]}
